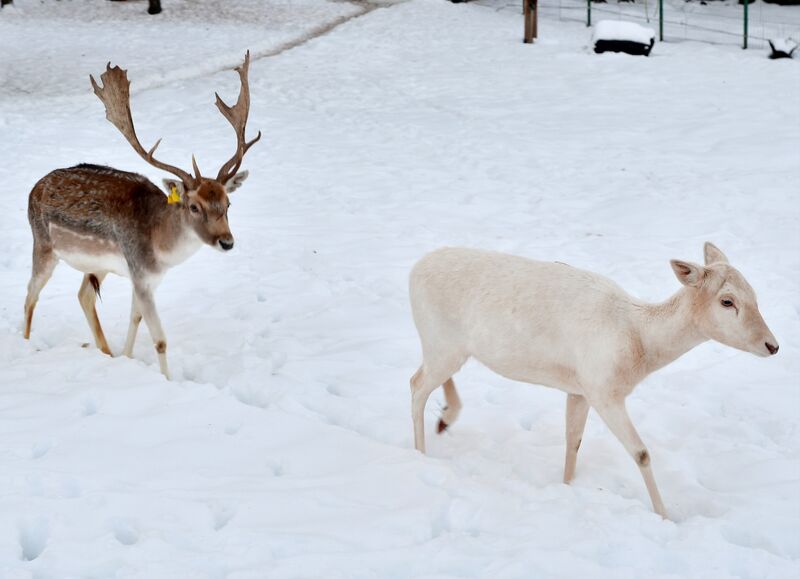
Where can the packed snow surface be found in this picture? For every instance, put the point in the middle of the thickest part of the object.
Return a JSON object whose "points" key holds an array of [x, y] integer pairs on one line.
{"points": [[283, 446], [620, 30]]}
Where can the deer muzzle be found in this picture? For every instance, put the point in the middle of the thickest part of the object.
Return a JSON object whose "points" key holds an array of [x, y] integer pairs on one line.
{"points": [[226, 242]]}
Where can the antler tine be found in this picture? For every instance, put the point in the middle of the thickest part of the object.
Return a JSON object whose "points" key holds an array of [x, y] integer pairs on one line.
{"points": [[195, 168], [115, 95], [237, 117]]}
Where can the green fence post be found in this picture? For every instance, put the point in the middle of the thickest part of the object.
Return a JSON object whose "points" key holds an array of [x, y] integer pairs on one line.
{"points": [[588, 13], [746, 3], [661, 20]]}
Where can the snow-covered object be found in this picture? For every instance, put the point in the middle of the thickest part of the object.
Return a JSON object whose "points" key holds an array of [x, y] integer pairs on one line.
{"points": [[782, 48], [619, 36], [619, 30]]}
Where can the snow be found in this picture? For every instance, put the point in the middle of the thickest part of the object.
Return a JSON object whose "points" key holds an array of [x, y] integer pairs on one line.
{"points": [[283, 446], [786, 45], [620, 30], [55, 45]]}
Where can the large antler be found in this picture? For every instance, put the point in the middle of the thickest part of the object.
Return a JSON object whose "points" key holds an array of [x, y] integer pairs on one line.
{"points": [[237, 116], [115, 94]]}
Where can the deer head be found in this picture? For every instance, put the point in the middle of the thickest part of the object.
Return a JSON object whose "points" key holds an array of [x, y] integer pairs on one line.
{"points": [[724, 305], [204, 201]]}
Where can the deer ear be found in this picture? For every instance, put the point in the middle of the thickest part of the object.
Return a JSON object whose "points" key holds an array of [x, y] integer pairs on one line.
{"points": [[174, 185], [688, 273], [235, 182], [713, 254]]}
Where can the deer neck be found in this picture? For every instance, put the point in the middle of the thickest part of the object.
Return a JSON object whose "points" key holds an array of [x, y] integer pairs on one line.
{"points": [[668, 330], [174, 239]]}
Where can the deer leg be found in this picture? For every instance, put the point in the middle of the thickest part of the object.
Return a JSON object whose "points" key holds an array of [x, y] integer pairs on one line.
{"points": [[144, 297], [427, 379], [44, 262], [577, 411], [452, 408], [87, 296], [616, 417], [136, 317]]}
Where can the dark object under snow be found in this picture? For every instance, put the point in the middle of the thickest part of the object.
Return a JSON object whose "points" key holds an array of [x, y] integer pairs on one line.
{"points": [[782, 49], [627, 37], [626, 46], [154, 6]]}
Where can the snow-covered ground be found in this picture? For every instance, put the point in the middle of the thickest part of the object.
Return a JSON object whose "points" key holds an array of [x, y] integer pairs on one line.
{"points": [[283, 447], [48, 47]]}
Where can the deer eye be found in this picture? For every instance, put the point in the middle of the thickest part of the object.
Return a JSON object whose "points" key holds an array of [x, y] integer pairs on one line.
{"points": [[193, 208], [726, 303]]}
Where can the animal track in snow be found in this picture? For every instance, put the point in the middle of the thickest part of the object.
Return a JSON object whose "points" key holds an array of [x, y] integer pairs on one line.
{"points": [[494, 396], [252, 395], [89, 407], [526, 422], [33, 538], [276, 468], [334, 390], [125, 531], [221, 515], [41, 448], [278, 360]]}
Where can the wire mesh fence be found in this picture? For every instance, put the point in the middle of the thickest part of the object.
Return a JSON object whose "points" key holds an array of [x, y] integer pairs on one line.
{"points": [[712, 21]]}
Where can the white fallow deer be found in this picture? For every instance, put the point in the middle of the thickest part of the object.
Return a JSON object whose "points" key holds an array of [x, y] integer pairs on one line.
{"points": [[552, 324], [101, 220]]}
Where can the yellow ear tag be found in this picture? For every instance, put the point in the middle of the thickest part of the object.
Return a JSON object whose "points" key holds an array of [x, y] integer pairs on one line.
{"points": [[174, 196]]}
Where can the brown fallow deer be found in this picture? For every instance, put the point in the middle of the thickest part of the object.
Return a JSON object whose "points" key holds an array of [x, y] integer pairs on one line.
{"points": [[102, 220], [556, 325]]}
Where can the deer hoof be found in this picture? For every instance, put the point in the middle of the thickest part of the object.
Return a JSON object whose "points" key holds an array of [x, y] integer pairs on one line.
{"points": [[441, 427]]}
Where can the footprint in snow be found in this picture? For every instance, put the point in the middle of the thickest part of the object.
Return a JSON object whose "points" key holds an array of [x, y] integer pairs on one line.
{"points": [[526, 422], [494, 397], [276, 468], [221, 515], [334, 390], [89, 407], [277, 360], [41, 448], [125, 530], [252, 395], [33, 538], [232, 429]]}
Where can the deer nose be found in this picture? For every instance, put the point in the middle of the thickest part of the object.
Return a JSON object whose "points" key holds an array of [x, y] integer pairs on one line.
{"points": [[772, 349], [226, 244]]}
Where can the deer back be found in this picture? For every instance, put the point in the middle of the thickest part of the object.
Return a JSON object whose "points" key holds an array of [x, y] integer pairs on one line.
{"points": [[96, 210]]}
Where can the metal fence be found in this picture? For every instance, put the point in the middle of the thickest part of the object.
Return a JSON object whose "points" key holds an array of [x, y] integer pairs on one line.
{"points": [[714, 21]]}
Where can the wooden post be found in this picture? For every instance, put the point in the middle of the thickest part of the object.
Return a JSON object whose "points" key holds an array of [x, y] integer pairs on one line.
{"points": [[526, 7], [531, 11]]}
